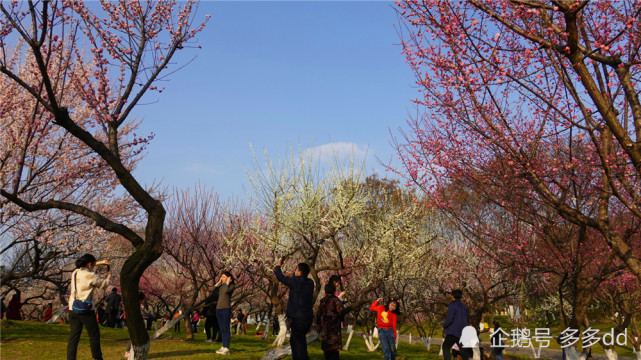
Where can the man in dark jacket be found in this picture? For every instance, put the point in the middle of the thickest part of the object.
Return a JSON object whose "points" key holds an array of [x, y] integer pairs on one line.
{"points": [[299, 307], [113, 302], [458, 317]]}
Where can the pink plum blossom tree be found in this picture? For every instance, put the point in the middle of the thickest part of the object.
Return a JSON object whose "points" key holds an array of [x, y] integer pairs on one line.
{"points": [[85, 68], [540, 98]]}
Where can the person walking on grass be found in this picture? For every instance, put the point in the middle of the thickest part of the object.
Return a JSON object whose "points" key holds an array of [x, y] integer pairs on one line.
{"points": [[458, 317], [83, 281], [299, 307], [386, 316], [223, 309], [328, 318]]}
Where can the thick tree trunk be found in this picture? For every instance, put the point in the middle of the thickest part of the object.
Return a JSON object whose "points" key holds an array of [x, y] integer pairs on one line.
{"points": [[477, 353], [170, 324], [129, 278], [571, 353], [611, 354], [284, 351], [282, 331], [138, 352], [130, 275], [278, 310], [189, 333], [583, 294]]}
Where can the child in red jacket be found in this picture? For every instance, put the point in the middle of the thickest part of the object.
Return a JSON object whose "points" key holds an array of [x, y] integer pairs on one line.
{"points": [[386, 324]]}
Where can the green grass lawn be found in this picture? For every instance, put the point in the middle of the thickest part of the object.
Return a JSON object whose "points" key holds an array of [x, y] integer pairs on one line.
{"points": [[31, 340]]}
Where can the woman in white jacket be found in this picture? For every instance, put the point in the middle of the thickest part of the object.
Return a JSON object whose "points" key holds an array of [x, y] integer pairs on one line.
{"points": [[83, 281]]}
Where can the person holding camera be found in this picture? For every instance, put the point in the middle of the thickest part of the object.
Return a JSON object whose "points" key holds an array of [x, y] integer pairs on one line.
{"points": [[386, 317], [300, 306], [83, 281]]}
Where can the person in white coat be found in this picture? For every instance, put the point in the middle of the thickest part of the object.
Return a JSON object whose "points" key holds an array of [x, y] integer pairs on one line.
{"points": [[83, 281]]}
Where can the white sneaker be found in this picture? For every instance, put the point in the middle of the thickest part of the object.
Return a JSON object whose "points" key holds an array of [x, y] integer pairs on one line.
{"points": [[208, 340], [223, 351]]}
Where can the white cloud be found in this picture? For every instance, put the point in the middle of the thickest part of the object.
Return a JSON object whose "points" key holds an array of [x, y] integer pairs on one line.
{"points": [[339, 150]]}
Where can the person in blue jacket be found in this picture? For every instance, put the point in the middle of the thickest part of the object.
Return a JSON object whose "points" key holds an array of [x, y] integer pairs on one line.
{"points": [[299, 307], [458, 317]]}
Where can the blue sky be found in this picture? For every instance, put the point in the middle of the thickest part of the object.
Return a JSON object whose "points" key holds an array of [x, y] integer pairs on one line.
{"points": [[276, 74]]}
